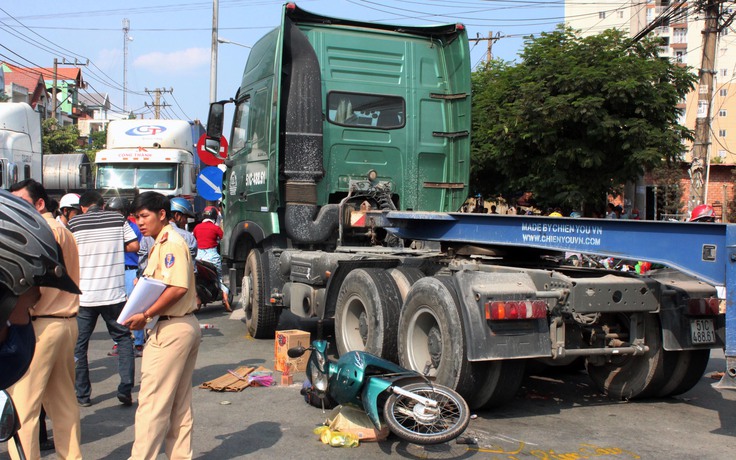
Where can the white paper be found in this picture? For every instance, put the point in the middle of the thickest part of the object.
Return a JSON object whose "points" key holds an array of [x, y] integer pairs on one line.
{"points": [[144, 294]]}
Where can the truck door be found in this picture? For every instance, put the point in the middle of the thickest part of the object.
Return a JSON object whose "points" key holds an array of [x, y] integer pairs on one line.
{"points": [[247, 184]]}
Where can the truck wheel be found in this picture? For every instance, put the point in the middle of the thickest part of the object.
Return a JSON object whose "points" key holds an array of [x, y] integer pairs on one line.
{"points": [[367, 313], [684, 370], [628, 377], [261, 319], [431, 331], [405, 277]]}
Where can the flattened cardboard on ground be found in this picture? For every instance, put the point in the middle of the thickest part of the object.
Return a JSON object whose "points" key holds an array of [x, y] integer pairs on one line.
{"points": [[349, 419], [289, 339], [230, 382]]}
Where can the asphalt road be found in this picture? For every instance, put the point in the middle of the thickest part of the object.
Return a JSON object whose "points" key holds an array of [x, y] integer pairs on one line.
{"points": [[554, 416]]}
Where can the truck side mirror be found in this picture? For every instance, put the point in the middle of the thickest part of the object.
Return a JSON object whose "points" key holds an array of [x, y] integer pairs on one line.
{"points": [[215, 119], [213, 146]]}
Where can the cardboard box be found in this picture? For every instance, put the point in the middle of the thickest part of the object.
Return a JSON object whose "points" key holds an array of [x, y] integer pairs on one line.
{"points": [[289, 339]]}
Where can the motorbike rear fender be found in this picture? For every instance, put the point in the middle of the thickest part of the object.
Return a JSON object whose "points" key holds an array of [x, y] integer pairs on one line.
{"points": [[377, 385]]}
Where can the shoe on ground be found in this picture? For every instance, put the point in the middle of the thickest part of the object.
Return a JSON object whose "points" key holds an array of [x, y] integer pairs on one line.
{"points": [[84, 402], [114, 351], [138, 351], [125, 400]]}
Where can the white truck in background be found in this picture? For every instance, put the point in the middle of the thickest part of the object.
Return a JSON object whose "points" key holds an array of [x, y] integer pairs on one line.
{"points": [[20, 143], [143, 155]]}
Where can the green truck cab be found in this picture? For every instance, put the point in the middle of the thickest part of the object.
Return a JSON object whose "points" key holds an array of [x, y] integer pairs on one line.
{"points": [[332, 115]]}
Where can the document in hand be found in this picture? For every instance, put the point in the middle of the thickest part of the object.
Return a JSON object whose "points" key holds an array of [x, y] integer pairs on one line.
{"points": [[144, 294]]}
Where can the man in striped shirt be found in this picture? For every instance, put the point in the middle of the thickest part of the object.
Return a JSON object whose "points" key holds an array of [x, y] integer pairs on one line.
{"points": [[102, 238]]}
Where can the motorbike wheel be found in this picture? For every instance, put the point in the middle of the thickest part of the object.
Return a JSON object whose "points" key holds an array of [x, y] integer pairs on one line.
{"points": [[413, 422], [261, 319], [367, 313]]}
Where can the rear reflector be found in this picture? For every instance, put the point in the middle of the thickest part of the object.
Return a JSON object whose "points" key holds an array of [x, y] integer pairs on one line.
{"points": [[707, 306], [516, 309]]}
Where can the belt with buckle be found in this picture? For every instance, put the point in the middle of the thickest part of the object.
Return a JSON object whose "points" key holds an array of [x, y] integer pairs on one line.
{"points": [[34, 318], [167, 317]]}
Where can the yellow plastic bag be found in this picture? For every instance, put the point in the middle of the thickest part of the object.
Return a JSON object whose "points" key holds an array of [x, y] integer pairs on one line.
{"points": [[335, 438]]}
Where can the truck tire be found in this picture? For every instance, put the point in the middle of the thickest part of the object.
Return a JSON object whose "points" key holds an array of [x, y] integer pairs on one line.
{"points": [[261, 318], [367, 313], [684, 369], [431, 330], [629, 377], [405, 277]]}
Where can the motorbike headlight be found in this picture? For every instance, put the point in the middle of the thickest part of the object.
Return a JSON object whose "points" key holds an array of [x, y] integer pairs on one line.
{"points": [[319, 380]]}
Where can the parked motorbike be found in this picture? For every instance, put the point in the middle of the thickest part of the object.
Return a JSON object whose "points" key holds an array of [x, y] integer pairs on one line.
{"points": [[9, 423], [413, 407], [207, 284]]}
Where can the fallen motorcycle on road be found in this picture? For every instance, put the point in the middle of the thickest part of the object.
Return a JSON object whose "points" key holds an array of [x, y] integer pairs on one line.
{"points": [[412, 406]]}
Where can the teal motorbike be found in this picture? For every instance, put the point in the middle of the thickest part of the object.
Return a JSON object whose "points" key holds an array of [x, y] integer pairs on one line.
{"points": [[412, 406]]}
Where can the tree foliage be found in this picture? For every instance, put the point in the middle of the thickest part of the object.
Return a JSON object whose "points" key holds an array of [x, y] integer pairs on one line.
{"points": [[59, 139], [575, 117]]}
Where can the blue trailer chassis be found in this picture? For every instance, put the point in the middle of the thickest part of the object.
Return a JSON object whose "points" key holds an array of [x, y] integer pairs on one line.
{"points": [[704, 251]]}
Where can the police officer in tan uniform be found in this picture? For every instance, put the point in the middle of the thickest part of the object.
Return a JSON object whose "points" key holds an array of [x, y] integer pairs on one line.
{"points": [[165, 399], [50, 378]]}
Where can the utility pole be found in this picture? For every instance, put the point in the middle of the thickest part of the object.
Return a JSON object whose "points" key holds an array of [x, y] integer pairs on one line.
{"points": [[53, 89], [490, 39], [55, 103], [126, 39], [157, 100], [701, 145], [213, 57]]}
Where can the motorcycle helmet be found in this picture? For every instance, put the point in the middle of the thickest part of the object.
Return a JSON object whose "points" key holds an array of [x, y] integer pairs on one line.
{"points": [[210, 212], [703, 213], [118, 204], [70, 200], [29, 254], [179, 204]]}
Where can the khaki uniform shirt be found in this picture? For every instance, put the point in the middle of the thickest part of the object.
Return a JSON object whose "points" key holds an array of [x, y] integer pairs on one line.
{"points": [[55, 302], [171, 263]]}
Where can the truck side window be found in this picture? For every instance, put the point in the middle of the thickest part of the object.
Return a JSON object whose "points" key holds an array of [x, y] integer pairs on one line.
{"points": [[366, 110], [240, 126]]}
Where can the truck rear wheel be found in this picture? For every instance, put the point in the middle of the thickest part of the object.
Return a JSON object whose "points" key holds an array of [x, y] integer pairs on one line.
{"points": [[405, 277], [431, 331], [261, 319], [628, 377], [684, 369], [367, 313]]}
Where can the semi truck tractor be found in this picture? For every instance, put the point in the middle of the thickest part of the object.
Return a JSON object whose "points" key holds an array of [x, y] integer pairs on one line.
{"points": [[349, 154], [143, 155], [20, 143]]}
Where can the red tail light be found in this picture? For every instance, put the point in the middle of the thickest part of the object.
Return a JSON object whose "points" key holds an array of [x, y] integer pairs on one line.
{"points": [[707, 306], [516, 309]]}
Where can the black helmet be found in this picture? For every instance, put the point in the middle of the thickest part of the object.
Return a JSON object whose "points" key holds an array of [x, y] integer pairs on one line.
{"points": [[118, 204], [29, 254], [210, 212]]}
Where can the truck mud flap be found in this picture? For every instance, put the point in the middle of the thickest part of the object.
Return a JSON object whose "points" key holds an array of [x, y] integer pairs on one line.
{"points": [[494, 340]]}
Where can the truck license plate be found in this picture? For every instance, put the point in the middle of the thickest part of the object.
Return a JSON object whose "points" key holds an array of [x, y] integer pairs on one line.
{"points": [[702, 331]]}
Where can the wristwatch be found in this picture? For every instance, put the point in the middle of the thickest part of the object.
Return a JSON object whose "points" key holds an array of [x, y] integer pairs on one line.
{"points": [[148, 318]]}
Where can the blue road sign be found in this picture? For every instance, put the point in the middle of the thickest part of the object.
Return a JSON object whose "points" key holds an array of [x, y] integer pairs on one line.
{"points": [[209, 183]]}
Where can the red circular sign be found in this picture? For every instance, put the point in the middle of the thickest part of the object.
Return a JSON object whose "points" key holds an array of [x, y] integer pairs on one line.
{"points": [[207, 157]]}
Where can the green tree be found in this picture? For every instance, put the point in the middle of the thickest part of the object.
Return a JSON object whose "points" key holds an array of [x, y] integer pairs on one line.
{"points": [[577, 116], [58, 139]]}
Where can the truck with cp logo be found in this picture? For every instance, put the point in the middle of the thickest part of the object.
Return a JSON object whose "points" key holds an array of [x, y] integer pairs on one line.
{"points": [[143, 155]]}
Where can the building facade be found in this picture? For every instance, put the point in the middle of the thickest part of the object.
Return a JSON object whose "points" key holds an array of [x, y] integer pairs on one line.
{"points": [[682, 41]]}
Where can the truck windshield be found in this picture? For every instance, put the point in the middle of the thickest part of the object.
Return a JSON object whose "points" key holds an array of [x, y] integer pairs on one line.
{"points": [[153, 176]]}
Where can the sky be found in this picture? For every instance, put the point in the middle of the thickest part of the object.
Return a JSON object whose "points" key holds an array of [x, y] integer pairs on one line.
{"points": [[169, 44]]}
